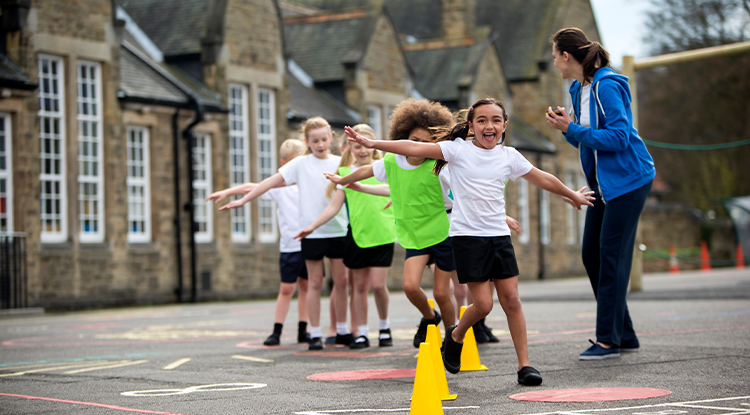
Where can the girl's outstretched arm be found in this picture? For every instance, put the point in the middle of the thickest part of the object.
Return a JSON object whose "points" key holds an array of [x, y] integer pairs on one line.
{"points": [[361, 173], [552, 184], [269, 183], [239, 190], [404, 147], [371, 189], [327, 214]]}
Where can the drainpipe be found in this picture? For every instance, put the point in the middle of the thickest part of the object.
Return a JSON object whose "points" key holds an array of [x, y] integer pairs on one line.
{"points": [[180, 291], [188, 135], [542, 267]]}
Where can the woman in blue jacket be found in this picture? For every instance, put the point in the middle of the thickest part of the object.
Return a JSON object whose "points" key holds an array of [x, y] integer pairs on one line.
{"points": [[619, 171]]}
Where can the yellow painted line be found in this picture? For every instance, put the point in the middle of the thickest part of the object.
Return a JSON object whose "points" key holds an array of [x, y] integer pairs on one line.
{"points": [[51, 368], [120, 364], [176, 363], [252, 359]]}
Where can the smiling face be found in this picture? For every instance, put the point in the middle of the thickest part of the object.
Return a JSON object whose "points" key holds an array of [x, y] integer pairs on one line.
{"points": [[319, 140], [362, 155], [488, 126]]}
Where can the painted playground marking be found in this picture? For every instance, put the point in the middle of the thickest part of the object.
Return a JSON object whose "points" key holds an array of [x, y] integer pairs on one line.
{"points": [[589, 394], [364, 374], [673, 408], [360, 411], [99, 405], [72, 368], [219, 387]]}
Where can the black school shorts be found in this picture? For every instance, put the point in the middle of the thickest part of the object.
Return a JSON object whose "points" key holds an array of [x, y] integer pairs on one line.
{"points": [[317, 249], [441, 253], [374, 256], [292, 266], [480, 259]]}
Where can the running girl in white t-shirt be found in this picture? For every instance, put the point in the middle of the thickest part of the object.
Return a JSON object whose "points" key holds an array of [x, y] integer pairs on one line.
{"points": [[480, 165], [369, 240], [329, 239]]}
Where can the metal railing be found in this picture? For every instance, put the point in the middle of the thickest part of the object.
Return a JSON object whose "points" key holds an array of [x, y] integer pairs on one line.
{"points": [[13, 281]]}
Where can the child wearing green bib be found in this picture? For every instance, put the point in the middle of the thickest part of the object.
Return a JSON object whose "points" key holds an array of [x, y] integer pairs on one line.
{"points": [[368, 251], [421, 220], [480, 165]]}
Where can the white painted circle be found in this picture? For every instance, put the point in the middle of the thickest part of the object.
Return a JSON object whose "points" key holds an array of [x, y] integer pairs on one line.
{"points": [[202, 388]]}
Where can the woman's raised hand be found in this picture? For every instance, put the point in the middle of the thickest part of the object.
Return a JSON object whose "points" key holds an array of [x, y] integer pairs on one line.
{"points": [[558, 122], [358, 138]]}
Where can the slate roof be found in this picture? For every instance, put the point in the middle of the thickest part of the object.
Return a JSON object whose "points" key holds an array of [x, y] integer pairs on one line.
{"points": [[143, 79], [309, 102], [11, 76], [175, 26], [320, 48], [523, 137], [524, 28]]}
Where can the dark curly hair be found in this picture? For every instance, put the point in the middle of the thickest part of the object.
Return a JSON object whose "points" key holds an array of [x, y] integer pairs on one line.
{"points": [[417, 113]]}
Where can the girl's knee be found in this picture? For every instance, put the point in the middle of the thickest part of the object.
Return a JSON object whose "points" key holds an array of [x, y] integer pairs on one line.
{"points": [[287, 290]]}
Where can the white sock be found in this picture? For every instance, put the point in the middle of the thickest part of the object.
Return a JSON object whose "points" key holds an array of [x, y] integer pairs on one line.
{"points": [[342, 328], [384, 324], [363, 330], [315, 332]]}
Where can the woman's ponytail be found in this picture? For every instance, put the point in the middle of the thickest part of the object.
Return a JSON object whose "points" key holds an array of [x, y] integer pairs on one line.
{"points": [[591, 55]]}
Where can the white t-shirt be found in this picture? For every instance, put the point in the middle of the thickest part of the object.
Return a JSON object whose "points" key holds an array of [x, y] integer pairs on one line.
{"points": [[307, 172], [378, 169], [287, 213], [585, 100], [478, 183]]}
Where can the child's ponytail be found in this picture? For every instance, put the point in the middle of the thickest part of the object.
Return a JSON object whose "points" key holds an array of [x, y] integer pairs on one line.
{"points": [[460, 130]]}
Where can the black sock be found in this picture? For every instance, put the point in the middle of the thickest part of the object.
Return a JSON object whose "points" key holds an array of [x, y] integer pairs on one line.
{"points": [[302, 327], [277, 328]]}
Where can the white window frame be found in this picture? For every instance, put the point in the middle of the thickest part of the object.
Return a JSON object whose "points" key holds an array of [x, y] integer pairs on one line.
{"points": [[203, 210], [375, 120], [582, 213], [239, 159], [570, 213], [90, 157], [6, 171], [58, 214], [523, 211], [544, 218], [139, 184], [266, 137]]}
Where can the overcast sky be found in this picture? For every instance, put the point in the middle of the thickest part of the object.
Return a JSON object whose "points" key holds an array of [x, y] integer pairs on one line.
{"points": [[621, 25]]}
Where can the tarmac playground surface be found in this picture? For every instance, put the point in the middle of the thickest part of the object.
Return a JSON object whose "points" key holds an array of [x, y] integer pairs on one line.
{"points": [[208, 358]]}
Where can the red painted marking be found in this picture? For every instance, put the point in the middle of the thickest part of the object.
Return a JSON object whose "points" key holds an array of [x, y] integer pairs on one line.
{"points": [[32, 341], [100, 405], [365, 374], [352, 355], [589, 394], [256, 344], [98, 326]]}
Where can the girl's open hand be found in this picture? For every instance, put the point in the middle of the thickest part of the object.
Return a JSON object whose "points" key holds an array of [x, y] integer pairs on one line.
{"points": [[217, 196], [333, 177], [304, 233], [358, 138], [233, 205], [558, 122], [587, 195]]}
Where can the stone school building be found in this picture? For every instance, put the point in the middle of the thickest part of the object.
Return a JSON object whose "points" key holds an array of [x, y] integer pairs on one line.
{"points": [[119, 117]]}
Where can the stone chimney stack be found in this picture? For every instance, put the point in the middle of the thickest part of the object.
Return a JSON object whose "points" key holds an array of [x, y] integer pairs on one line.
{"points": [[458, 18]]}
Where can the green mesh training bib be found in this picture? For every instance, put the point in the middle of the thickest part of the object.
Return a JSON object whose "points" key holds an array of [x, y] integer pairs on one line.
{"points": [[371, 224]]}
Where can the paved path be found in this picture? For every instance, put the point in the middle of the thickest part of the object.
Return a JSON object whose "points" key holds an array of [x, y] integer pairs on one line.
{"points": [[694, 329]]}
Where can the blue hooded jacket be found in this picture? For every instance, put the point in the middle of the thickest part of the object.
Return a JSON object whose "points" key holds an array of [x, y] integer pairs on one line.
{"points": [[614, 158]]}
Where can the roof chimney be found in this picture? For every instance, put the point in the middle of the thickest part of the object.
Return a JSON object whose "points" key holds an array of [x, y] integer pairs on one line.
{"points": [[458, 18]]}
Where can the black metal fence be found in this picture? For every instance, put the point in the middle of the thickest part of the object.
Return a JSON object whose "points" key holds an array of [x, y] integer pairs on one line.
{"points": [[13, 288]]}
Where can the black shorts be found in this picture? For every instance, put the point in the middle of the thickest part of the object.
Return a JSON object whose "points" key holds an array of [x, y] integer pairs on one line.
{"points": [[441, 254], [292, 266], [317, 249], [484, 258], [375, 256]]}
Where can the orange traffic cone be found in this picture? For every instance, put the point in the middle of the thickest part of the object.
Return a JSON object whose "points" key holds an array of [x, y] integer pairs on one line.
{"points": [[740, 257], [425, 399], [470, 354], [673, 267], [705, 259]]}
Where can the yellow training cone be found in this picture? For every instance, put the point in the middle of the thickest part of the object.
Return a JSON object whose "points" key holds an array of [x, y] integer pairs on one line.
{"points": [[425, 399], [437, 360], [439, 336], [469, 354]]}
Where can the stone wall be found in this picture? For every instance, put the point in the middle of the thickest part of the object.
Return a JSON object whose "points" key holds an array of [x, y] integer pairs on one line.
{"points": [[384, 62], [490, 78], [80, 19], [252, 33]]}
